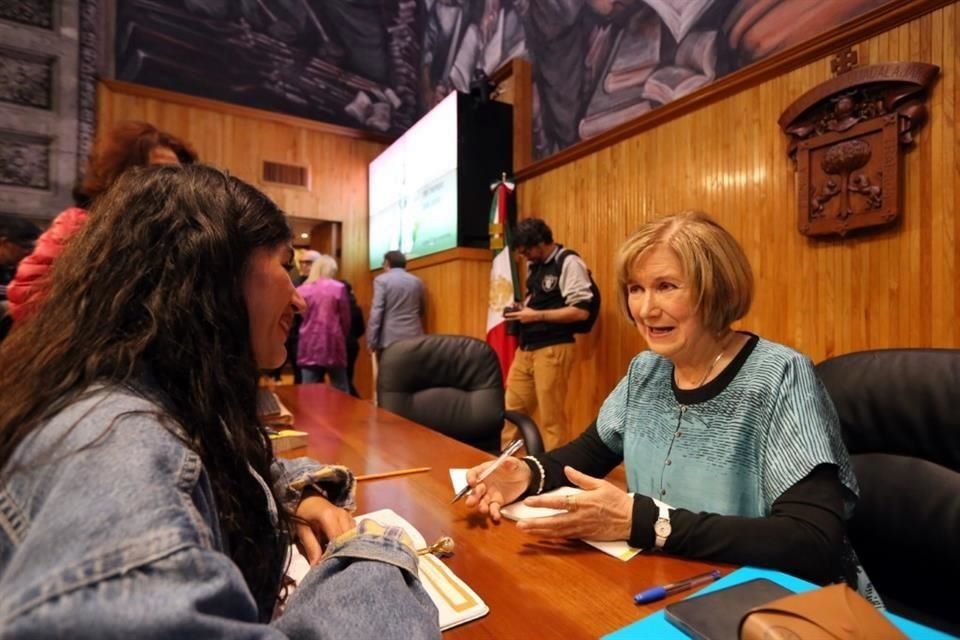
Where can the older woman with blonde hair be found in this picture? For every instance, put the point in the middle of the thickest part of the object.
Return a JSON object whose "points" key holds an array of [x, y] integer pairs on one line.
{"points": [[730, 443], [322, 350]]}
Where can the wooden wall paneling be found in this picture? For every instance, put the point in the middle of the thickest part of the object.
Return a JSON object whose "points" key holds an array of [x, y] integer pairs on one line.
{"points": [[239, 139], [896, 287], [457, 284]]}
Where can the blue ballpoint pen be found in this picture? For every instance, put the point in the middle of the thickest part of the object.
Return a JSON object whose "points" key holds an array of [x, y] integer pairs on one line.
{"points": [[509, 451], [658, 593]]}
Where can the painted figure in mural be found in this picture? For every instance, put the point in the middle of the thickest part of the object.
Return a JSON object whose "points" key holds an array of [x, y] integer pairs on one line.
{"points": [[381, 64], [444, 28], [343, 32], [610, 62], [496, 38], [350, 62], [462, 37]]}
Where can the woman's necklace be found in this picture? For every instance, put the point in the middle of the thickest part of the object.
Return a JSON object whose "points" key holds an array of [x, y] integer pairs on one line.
{"points": [[705, 373]]}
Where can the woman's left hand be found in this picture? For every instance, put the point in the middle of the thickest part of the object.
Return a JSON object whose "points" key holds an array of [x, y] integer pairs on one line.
{"points": [[324, 521], [601, 512]]}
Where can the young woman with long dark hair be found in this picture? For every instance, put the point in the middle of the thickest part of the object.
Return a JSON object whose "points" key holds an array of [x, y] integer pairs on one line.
{"points": [[139, 492]]}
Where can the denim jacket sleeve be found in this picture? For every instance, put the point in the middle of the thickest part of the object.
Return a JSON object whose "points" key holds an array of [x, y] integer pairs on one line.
{"points": [[362, 589], [122, 539], [334, 482], [366, 586]]}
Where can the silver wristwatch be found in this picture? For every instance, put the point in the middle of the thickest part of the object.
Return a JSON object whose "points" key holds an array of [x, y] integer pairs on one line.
{"points": [[662, 528]]}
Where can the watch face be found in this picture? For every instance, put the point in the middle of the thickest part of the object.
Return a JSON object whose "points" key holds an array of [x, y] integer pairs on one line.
{"points": [[662, 528]]}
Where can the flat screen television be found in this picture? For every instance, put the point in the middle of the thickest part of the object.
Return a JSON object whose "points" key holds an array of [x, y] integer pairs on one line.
{"points": [[430, 190]]}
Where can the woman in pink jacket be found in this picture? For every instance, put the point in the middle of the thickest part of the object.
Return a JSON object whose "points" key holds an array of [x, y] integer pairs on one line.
{"points": [[326, 323], [129, 144]]}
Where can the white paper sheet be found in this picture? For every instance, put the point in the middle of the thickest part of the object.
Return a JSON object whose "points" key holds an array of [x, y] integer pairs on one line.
{"points": [[518, 511]]}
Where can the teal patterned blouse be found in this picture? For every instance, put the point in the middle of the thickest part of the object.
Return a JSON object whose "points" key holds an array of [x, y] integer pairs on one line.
{"points": [[734, 449]]}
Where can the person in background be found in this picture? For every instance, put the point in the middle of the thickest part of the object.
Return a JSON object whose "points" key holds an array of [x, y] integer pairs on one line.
{"points": [[18, 237], [731, 445], [304, 262], [353, 337], [130, 445], [398, 304], [558, 295], [129, 144], [356, 320], [307, 258], [323, 330]]}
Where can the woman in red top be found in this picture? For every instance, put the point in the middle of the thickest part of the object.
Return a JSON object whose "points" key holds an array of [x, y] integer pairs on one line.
{"points": [[129, 144]]}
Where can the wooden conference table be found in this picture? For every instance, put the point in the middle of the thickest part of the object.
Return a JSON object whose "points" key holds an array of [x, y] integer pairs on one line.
{"points": [[534, 588]]}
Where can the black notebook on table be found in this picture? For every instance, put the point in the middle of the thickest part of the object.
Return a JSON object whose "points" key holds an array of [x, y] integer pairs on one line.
{"points": [[716, 615]]}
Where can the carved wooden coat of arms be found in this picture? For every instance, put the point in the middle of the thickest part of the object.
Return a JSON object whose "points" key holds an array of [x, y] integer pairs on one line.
{"points": [[846, 139]]}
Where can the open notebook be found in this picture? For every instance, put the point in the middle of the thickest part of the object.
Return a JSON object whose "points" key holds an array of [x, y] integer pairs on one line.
{"points": [[455, 601]]}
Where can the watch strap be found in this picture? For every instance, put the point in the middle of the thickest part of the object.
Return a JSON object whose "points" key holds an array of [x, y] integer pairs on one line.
{"points": [[660, 539]]}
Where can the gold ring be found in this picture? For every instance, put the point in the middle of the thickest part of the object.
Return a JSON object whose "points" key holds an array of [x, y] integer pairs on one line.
{"points": [[571, 503]]}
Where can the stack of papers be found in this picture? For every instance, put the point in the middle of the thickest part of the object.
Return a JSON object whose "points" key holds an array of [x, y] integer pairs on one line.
{"points": [[518, 511]]}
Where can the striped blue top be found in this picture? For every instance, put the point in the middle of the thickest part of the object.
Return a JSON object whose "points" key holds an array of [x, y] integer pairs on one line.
{"points": [[734, 452]]}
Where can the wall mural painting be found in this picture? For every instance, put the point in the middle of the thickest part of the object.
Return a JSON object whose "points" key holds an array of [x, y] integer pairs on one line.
{"points": [[347, 62], [600, 63], [380, 64]]}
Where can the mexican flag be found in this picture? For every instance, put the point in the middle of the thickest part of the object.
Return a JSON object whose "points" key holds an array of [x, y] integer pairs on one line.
{"points": [[504, 286]]}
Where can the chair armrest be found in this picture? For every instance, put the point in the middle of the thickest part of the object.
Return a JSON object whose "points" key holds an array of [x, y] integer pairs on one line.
{"points": [[528, 429]]}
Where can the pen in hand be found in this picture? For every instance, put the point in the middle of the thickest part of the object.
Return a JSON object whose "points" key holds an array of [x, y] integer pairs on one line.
{"points": [[509, 451], [658, 593]]}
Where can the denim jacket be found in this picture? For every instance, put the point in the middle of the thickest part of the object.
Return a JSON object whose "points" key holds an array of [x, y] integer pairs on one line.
{"points": [[111, 533]]}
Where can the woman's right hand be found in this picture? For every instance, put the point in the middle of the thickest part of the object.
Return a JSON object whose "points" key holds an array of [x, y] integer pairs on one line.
{"points": [[500, 488]]}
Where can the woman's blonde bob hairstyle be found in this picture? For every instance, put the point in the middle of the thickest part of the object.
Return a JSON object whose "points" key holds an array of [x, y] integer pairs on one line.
{"points": [[322, 268], [713, 262]]}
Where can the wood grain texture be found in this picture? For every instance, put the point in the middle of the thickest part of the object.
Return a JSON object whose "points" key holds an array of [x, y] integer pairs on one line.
{"points": [[239, 139], [457, 284], [895, 288], [517, 575]]}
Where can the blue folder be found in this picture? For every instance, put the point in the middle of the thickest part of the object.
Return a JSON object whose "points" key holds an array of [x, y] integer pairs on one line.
{"points": [[656, 625]]}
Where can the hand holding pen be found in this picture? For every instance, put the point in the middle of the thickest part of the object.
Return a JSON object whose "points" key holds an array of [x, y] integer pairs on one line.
{"points": [[511, 449], [496, 483]]}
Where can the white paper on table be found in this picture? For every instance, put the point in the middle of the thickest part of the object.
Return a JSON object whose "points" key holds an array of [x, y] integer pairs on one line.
{"points": [[619, 549]]}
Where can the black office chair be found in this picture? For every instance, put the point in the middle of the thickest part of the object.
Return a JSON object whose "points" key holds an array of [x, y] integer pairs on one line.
{"points": [[900, 414], [453, 385]]}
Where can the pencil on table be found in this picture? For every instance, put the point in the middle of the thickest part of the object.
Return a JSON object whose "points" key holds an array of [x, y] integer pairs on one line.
{"points": [[390, 474]]}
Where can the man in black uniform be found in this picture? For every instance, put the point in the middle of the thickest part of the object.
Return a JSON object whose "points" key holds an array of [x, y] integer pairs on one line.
{"points": [[558, 296]]}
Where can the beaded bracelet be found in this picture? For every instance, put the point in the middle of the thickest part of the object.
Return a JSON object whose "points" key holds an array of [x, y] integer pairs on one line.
{"points": [[542, 474]]}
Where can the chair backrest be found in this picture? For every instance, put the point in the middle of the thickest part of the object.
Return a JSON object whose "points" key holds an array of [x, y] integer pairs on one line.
{"points": [[900, 415], [898, 401], [451, 384]]}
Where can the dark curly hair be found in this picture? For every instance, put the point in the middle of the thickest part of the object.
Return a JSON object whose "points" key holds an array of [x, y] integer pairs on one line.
{"points": [[126, 145], [530, 232], [151, 289]]}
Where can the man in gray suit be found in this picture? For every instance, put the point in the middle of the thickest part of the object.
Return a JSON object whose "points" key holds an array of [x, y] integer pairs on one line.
{"points": [[398, 304]]}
